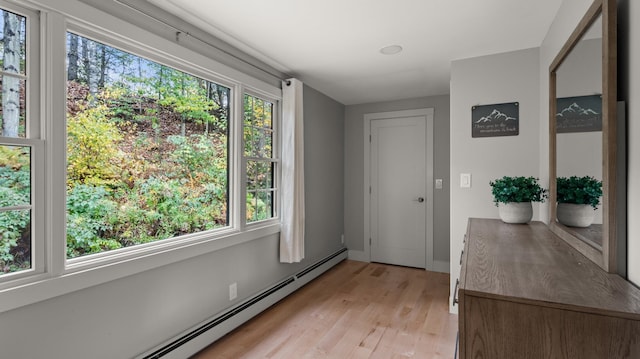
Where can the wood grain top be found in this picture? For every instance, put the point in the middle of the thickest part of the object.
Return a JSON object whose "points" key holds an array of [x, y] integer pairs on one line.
{"points": [[528, 263]]}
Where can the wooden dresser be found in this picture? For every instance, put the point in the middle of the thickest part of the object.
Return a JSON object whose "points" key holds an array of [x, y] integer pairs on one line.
{"points": [[524, 293]]}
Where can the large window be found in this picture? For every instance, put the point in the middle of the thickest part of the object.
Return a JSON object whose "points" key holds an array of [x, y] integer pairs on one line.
{"points": [[260, 162], [15, 147], [122, 151], [147, 150]]}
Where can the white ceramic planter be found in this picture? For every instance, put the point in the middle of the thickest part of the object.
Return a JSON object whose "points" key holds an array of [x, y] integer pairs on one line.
{"points": [[575, 215], [515, 212]]}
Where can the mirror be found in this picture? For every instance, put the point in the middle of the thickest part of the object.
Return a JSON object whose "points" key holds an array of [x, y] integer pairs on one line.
{"points": [[582, 102], [579, 121]]}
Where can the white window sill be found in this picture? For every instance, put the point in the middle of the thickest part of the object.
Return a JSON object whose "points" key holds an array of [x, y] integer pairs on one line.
{"points": [[88, 272]]}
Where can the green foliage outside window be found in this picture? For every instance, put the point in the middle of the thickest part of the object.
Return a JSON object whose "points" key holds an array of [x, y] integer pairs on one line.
{"points": [[15, 161], [15, 190], [146, 151], [92, 147], [147, 157], [258, 153]]}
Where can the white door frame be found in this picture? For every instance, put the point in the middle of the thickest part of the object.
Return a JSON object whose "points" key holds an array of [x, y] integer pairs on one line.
{"points": [[428, 113]]}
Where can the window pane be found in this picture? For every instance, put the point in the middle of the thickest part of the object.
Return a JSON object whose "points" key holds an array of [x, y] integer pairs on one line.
{"points": [[259, 175], [251, 207], [13, 106], [13, 59], [265, 175], [15, 241], [252, 182], [248, 110], [265, 206], [248, 140], [261, 143], [15, 224], [147, 150], [259, 205], [15, 176], [258, 148], [14, 39], [267, 115], [258, 133]]}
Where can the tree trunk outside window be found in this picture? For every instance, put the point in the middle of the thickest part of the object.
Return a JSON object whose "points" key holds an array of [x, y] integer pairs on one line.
{"points": [[11, 84], [72, 69]]}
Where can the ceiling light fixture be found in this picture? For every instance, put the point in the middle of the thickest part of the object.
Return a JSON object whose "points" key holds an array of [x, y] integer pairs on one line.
{"points": [[391, 50]]}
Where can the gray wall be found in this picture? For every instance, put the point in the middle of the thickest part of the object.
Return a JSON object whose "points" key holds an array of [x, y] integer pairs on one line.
{"points": [[324, 173], [354, 169], [500, 78], [125, 317]]}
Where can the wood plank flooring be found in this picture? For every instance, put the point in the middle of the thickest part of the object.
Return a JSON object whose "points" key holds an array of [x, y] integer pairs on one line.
{"points": [[354, 310]]}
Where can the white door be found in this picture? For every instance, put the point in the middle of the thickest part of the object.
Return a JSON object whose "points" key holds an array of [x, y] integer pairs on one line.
{"points": [[398, 199]]}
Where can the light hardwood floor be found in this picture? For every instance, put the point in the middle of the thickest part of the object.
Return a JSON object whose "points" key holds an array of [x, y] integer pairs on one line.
{"points": [[354, 310]]}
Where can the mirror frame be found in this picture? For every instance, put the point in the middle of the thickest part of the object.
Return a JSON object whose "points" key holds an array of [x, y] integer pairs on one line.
{"points": [[605, 258]]}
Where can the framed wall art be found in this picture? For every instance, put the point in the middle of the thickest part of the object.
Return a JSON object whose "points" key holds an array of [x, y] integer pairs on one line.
{"points": [[501, 119], [579, 114]]}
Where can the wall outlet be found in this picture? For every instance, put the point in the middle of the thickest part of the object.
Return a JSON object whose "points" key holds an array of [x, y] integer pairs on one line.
{"points": [[233, 291]]}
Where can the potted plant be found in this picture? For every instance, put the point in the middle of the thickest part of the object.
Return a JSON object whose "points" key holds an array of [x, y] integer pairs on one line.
{"points": [[513, 197], [578, 198]]}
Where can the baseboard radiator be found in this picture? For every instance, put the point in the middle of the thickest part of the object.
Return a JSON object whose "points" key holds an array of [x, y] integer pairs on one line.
{"points": [[200, 336]]}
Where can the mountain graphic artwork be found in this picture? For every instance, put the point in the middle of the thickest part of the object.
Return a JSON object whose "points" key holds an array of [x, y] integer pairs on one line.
{"points": [[576, 110], [495, 115]]}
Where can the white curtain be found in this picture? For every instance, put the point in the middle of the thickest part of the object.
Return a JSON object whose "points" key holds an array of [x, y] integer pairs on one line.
{"points": [[292, 186]]}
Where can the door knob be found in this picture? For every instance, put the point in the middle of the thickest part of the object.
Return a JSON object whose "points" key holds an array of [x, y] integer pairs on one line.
{"points": [[420, 199]]}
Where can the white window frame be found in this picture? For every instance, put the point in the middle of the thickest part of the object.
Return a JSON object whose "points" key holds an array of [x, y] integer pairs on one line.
{"points": [[55, 274], [276, 118], [88, 261], [33, 140]]}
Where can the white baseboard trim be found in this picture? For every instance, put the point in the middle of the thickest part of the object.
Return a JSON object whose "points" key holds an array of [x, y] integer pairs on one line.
{"points": [[440, 266], [453, 309], [359, 256], [200, 336]]}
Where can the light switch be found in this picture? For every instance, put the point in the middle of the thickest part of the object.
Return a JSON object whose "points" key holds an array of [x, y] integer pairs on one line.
{"points": [[465, 180], [438, 183]]}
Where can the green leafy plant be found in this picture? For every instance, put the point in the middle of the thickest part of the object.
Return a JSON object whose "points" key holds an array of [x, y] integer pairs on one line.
{"points": [[147, 157], [517, 189], [579, 190], [88, 208], [92, 147], [15, 190]]}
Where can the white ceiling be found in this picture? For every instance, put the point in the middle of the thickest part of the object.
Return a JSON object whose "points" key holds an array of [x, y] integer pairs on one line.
{"points": [[333, 45]]}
